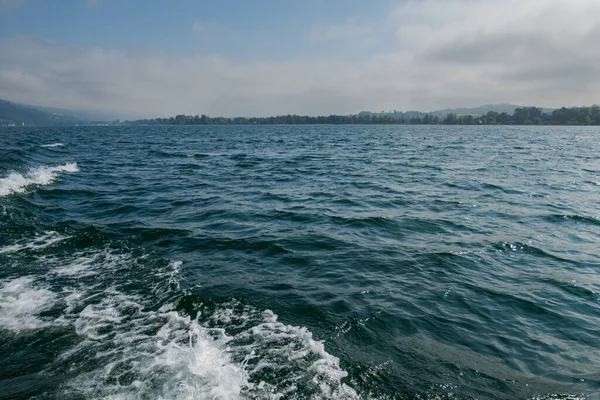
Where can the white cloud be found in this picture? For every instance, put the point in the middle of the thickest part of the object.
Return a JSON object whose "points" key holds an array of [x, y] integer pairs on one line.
{"points": [[446, 53]]}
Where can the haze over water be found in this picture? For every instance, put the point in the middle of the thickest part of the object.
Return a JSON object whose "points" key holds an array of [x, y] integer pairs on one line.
{"points": [[295, 262]]}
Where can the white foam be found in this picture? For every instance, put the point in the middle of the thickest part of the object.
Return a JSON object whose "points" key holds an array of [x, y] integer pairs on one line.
{"points": [[21, 302], [182, 360], [86, 264], [44, 175], [186, 359], [40, 242], [202, 367], [280, 346], [234, 351], [53, 145]]}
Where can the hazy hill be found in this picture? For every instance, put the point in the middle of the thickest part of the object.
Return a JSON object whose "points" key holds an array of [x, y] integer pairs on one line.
{"points": [[399, 115], [407, 115], [81, 115], [481, 110], [21, 114]]}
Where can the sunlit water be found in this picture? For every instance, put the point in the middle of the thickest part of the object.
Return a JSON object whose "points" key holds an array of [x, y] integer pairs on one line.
{"points": [[321, 262]]}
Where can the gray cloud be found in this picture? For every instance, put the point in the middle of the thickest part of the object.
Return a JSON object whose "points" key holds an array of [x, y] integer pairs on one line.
{"points": [[48, 73], [543, 52], [446, 53], [492, 49]]}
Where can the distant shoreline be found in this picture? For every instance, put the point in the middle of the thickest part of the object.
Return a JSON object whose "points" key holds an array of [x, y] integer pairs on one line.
{"points": [[12, 115], [126, 125], [580, 116]]}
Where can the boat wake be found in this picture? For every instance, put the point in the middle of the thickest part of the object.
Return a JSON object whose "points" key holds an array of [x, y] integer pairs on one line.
{"points": [[136, 334]]}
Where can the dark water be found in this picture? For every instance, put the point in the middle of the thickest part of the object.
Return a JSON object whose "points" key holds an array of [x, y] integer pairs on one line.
{"points": [[300, 263]]}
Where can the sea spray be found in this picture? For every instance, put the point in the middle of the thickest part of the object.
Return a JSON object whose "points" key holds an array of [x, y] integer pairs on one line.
{"points": [[44, 175]]}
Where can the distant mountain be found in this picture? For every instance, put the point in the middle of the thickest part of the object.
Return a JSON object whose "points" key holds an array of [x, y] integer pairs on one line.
{"points": [[481, 110], [18, 114], [81, 115], [12, 113], [476, 111], [399, 115]]}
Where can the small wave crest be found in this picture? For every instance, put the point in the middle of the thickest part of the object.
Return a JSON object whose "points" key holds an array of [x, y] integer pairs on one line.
{"points": [[40, 242], [44, 175], [53, 145]]}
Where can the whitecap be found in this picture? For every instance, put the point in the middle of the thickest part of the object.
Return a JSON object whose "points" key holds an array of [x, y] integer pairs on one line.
{"points": [[85, 264], [21, 301], [40, 242], [44, 175], [53, 145], [231, 355]]}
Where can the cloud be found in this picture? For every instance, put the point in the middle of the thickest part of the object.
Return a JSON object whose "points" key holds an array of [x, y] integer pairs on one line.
{"points": [[143, 84], [542, 51], [530, 52], [438, 54]]}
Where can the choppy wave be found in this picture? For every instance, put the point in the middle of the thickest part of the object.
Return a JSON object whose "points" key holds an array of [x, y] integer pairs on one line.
{"points": [[44, 175], [436, 263]]}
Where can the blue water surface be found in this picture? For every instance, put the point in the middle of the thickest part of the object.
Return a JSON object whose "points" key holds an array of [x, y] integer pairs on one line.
{"points": [[299, 262]]}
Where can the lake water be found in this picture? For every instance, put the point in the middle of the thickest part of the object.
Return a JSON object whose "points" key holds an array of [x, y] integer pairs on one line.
{"points": [[300, 262]]}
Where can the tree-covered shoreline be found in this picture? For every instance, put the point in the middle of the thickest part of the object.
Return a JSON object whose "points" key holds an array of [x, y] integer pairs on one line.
{"points": [[521, 116]]}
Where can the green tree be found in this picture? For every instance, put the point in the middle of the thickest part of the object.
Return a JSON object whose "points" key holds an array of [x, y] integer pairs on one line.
{"points": [[450, 119], [468, 120], [560, 117], [521, 116], [492, 117], [534, 113]]}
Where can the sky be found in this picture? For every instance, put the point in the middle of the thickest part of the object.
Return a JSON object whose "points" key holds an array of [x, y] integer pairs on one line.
{"points": [[142, 58]]}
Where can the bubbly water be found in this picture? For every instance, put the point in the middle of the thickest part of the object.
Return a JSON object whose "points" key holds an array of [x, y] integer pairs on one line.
{"points": [[291, 262]]}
